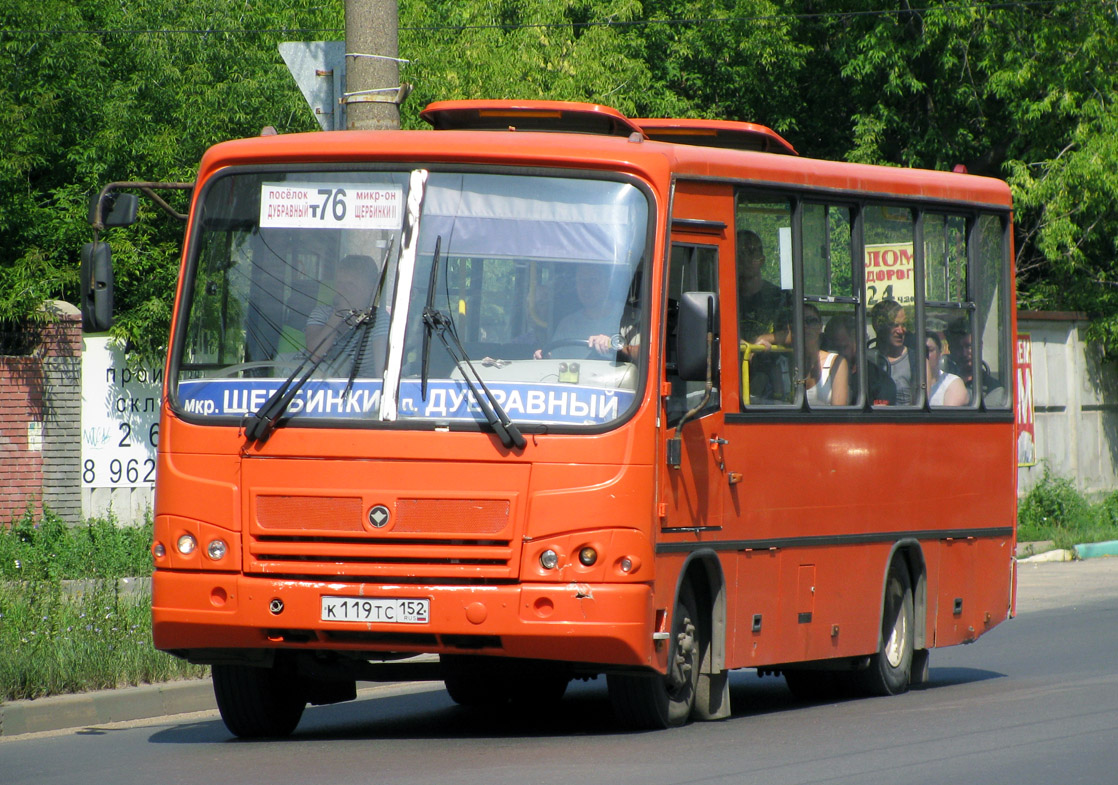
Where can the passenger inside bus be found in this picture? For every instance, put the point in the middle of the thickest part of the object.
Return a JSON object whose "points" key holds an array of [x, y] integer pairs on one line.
{"points": [[959, 360], [761, 303], [600, 327], [840, 335], [355, 280], [895, 355], [944, 388], [826, 373], [763, 309]]}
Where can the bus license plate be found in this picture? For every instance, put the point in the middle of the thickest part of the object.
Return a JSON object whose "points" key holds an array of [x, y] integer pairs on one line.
{"points": [[384, 610]]}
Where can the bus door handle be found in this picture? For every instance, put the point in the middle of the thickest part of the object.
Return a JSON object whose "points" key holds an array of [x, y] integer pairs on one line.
{"points": [[716, 443]]}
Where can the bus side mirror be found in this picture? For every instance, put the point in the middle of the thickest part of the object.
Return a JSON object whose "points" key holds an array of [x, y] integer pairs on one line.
{"points": [[698, 318], [97, 287], [116, 209]]}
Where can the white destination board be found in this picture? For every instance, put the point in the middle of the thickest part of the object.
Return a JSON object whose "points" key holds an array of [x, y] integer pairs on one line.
{"points": [[331, 206]]}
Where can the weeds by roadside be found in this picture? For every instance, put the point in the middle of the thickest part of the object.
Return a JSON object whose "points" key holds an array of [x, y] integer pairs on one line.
{"points": [[59, 638], [1054, 510]]}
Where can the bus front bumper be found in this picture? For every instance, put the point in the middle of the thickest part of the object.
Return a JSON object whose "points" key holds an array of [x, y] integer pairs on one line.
{"points": [[607, 623]]}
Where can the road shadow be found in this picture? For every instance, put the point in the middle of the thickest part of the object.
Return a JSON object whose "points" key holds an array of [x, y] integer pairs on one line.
{"points": [[584, 711]]}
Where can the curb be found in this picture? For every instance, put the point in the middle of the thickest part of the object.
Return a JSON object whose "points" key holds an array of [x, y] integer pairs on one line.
{"points": [[60, 712], [1094, 550]]}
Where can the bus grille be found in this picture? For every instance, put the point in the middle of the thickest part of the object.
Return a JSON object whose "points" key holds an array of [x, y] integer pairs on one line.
{"points": [[425, 539]]}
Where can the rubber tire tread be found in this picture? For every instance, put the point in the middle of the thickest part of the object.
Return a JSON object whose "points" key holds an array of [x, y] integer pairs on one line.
{"points": [[880, 678], [257, 703], [642, 701]]}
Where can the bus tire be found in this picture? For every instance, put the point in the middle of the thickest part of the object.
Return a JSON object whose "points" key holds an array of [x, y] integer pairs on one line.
{"points": [[257, 703], [890, 669], [654, 701]]}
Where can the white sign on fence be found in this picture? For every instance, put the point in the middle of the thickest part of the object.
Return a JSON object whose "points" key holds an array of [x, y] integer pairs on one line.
{"points": [[120, 417]]}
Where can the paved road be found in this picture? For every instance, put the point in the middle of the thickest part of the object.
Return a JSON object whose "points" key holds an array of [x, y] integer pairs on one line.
{"points": [[1034, 701]]}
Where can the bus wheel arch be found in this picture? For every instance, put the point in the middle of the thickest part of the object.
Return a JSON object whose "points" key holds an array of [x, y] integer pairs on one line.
{"points": [[891, 667], [696, 683]]}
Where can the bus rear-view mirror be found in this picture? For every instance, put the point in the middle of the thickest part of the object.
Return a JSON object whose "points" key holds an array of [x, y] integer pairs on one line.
{"points": [[97, 287], [698, 318], [117, 209]]}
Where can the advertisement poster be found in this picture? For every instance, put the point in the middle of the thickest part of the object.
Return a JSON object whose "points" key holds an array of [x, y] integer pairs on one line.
{"points": [[1026, 423], [889, 273]]}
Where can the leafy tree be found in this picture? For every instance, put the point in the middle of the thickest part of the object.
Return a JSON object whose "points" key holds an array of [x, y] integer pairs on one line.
{"points": [[98, 92], [94, 92]]}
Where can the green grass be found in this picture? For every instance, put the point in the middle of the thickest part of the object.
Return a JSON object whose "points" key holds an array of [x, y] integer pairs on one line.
{"points": [[57, 637], [1055, 510]]}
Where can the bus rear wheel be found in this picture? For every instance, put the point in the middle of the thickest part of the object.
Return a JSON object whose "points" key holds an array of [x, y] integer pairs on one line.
{"points": [[257, 703], [653, 702], [890, 669]]}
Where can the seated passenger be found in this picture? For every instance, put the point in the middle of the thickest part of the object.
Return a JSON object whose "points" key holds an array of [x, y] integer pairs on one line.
{"points": [[895, 356], [761, 303], [354, 284], [944, 389], [959, 358], [597, 324], [826, 374], [840, 335]]}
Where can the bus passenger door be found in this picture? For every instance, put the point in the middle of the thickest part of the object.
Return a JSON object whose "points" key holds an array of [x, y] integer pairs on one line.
{"points": [[691, 493]]}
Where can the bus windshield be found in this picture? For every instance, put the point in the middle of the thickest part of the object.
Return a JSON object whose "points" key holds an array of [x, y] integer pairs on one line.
{"points": [[384, 295]]}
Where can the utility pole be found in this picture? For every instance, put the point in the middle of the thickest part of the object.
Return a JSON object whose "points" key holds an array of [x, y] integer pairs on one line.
{"points": [[372, 83]]}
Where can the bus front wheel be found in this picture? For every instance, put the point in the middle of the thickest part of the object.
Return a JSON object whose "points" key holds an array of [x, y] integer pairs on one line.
{"points": [[257, 703], [652, 702], [890, 669]]}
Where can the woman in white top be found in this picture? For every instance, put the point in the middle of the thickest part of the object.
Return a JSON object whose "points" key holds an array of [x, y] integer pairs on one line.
{"points": [[944, 389], [826, 375]]}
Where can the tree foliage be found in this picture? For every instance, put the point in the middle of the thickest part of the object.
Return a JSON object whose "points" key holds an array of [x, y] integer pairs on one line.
{"points": [[1026, 91]]}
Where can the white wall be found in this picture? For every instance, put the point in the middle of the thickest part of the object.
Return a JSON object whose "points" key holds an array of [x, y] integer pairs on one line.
{"points": [[1075, 398]]}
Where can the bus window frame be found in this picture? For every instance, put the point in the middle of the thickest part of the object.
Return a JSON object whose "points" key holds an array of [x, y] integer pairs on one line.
{"points": [[858, 202], [189, 267]]}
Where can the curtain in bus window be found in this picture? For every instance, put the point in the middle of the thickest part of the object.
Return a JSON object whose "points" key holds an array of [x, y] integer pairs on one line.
{"points": [[535, 218]]}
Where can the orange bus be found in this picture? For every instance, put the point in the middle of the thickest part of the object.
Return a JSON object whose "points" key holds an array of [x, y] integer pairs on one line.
{"points": [[553, 393]]}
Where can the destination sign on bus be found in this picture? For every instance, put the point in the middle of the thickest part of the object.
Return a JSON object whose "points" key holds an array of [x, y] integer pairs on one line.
{"points": [[447, 399], [331, 206]]}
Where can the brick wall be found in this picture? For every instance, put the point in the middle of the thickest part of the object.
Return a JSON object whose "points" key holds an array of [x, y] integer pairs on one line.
{"points": [[40, 421]]}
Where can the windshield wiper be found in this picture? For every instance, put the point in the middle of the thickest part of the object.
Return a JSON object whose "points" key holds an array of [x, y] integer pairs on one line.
{"points": [[438, 322], [266, 418], [428, 326]]}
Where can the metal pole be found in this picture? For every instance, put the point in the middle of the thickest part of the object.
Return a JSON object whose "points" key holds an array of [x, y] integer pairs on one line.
{"points": [[372, 82]]}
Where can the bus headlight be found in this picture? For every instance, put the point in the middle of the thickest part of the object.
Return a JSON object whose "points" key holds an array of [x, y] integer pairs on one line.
{"points": [[549, 559], [587, 556], [186, 544], [217, 549]]}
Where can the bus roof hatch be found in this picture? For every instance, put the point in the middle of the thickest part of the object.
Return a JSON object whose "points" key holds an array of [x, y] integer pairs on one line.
{"points": [[563, 116], [727, 134]]}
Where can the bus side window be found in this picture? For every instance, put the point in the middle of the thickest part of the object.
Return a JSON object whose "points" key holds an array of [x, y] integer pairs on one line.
{"points": [[889, 234], [830, 306], [763, 271], [694, 268]]}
